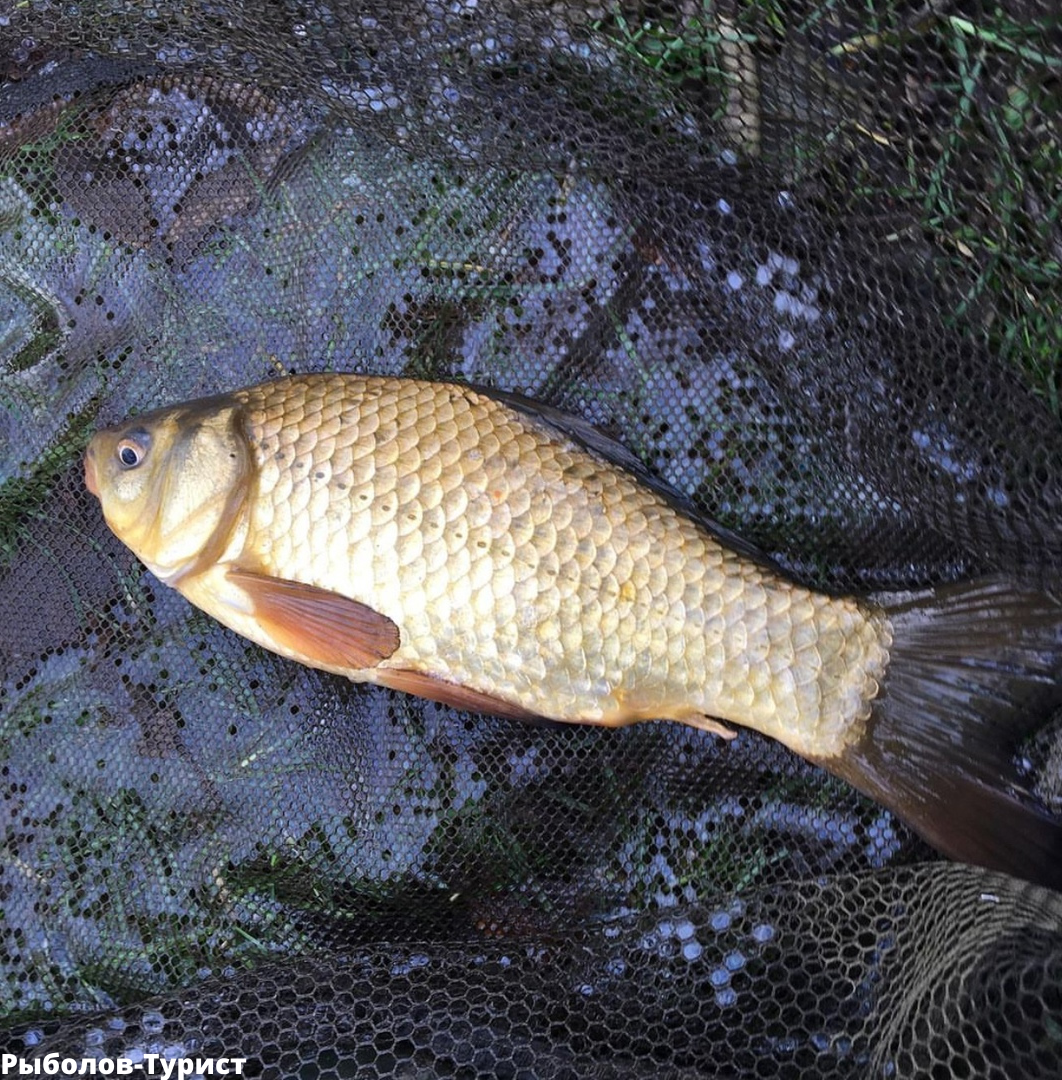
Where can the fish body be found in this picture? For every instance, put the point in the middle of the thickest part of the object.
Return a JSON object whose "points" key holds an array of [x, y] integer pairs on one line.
{"points": [[459, 545], [513, 562]]}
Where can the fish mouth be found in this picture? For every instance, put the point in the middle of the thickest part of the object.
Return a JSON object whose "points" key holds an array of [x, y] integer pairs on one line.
{"points": [[90, 472]]}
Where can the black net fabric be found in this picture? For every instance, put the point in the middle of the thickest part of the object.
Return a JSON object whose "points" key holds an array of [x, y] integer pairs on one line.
{"points": [[803, 259]]}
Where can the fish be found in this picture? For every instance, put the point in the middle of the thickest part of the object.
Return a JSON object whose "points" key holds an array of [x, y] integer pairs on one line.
{"points": [[486, 551]]}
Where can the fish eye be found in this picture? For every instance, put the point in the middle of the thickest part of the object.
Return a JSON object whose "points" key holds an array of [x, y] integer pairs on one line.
{"points": [[132, 450]]}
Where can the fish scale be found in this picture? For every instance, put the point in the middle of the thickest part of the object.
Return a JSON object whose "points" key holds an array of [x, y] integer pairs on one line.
{"points": [[513, 560]]}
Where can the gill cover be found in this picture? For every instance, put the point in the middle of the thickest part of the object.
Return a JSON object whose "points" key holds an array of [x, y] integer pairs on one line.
{"points": [[173, 485]]}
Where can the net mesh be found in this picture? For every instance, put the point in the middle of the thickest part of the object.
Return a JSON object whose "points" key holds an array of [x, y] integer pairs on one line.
{"points": [[801, 258]]}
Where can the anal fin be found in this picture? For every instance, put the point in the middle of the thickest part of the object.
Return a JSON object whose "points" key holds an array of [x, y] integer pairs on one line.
{"points": [[325, 628]]}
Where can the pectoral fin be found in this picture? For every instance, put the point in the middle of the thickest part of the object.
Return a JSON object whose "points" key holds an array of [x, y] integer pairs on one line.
{"points": [[328, 629]]}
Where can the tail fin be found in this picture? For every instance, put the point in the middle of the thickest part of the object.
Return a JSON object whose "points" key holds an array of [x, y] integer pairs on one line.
{"points": [[972, 670]]}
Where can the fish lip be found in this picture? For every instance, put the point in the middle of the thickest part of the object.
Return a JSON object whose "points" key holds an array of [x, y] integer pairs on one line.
{"points": [[90, 472]]}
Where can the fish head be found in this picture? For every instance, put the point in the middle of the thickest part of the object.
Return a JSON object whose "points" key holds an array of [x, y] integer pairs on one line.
{"points": [[172, 484]]}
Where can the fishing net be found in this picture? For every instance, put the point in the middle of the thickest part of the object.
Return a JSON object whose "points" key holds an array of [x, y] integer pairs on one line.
{"points": [[801, 258]]}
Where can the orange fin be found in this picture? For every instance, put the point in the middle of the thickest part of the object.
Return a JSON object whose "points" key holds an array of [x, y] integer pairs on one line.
{"points": [[709, 723], [328, 629], [424, 685], [627, 708]]}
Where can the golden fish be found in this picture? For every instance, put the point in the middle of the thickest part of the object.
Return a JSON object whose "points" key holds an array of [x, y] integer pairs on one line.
{"points": [[474, 548]]}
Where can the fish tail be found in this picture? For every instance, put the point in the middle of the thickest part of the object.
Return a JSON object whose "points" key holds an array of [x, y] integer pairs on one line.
{"points": [[973, 669]]}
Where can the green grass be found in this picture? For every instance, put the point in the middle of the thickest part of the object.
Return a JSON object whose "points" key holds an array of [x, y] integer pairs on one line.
{"points": [[965, 148], [991, 201]]}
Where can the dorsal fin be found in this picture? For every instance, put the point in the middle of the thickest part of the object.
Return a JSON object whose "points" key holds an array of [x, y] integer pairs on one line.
{"points": [[592, 439]]}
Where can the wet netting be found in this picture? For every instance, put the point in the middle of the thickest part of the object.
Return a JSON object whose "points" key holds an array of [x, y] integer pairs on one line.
{"points": [[801, 258]]}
